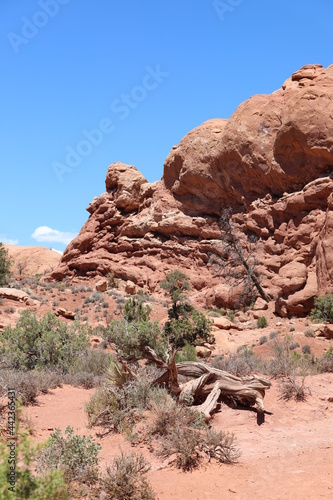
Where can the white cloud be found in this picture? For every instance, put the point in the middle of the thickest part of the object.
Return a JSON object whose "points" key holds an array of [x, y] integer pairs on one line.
{"points": [[58, 251], [8, 241], [46, 234]]}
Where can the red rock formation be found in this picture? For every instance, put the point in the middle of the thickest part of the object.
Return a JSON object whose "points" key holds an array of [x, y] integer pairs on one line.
{"points": [[29, 261], [271, 162]]}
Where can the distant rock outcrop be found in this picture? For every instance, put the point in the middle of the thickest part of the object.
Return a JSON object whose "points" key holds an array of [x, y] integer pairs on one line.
{"points": [[272, 162], [29, 261]]}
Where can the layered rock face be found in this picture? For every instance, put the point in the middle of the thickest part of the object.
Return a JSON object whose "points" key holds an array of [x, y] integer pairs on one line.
{"points": [[272, 162]]}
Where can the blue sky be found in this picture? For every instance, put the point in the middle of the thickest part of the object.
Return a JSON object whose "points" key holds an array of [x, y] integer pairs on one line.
{"points": [[85, 83]]}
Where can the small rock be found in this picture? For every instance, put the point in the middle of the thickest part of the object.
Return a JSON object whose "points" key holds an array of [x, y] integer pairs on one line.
{"points": [[13, 294], [130, 287], [325, 331], [256, 314], [95, 340], [64, 313], [202, 351], [102, 285], [260, 305], [223, 323]]}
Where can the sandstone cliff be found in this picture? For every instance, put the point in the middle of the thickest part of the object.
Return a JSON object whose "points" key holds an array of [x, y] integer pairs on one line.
{"points": [[272, 162]]}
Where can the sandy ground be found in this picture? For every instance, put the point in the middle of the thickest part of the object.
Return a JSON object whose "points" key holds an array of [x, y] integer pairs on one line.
{"points": [[288, 456]]}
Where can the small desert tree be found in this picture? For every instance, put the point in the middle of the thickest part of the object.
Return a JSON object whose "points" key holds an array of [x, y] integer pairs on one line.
{"points": [[175, 284], [186, 325], [4, 266], [135, 310], [323, 309], [237, 262]]}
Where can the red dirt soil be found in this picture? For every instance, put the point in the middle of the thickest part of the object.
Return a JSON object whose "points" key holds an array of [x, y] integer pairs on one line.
{"points": [[290, 455]]}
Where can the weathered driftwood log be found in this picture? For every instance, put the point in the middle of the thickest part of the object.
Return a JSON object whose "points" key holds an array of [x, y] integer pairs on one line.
{"points": [[247, 390], [208, 385], [211, 385], [209, 405]]}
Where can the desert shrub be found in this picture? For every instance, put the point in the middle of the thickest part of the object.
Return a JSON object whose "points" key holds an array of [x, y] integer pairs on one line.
{"points": [[284, 360], [309, 332], [49, 486], [30, 384], [125, 478], [183, 432], [262, 322], [306, 349], [10, 310], [93, 298], [214, 312], [131, 338], [119, 403], [177, 430], [76, 456], [42, 343], [185, 324], [323, 309], [47, 286], [293, 345], [220, 445], [103, 409], [273, 335], [134, 310], [80, 289], [188, 353], [230, 314], [290, 388], [185, 444], [91, 364], [4, 266], [175, 284], [325, 364], [117, 375], [168, 415], [263, 340], [241, 363], [193, 328], [84, 379], [108, 409]]}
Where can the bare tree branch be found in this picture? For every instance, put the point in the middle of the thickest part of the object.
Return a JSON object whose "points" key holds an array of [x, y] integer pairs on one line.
{"points": [[237, 260]]}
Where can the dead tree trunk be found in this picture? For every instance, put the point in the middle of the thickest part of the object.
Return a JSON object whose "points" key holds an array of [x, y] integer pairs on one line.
{"points": [[170, 376], [208, 385], [211, 385], [248, 391], [239, 263]]}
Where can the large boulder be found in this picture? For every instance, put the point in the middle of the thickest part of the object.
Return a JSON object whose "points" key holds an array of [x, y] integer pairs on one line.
{"points": [[272, 144], [271, 162]]}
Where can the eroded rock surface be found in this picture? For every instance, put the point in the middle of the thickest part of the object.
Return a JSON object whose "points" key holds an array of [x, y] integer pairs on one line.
{"points": [[272, 162]]}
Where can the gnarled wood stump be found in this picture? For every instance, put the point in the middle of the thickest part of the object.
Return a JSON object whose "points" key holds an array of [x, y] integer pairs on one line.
{"points": [[208, 385], [207, 381]]}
